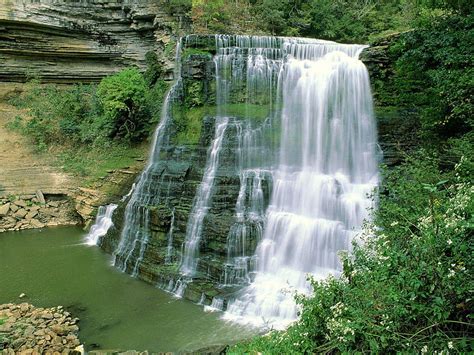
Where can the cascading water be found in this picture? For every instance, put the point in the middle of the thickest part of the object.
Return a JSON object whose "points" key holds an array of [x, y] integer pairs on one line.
{"points": [[136, 233], [201, 203], [169, 248], [103, 222], [327, 170], [247, 231], [306, 169]]}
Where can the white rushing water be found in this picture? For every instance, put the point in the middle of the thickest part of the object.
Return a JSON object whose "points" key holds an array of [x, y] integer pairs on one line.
{"points": [[306, 171], [103, 221], [201, 201], [326, 171]]}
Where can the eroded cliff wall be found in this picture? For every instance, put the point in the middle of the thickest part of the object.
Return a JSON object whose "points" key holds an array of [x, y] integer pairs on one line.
{"points": [[83, 41]]}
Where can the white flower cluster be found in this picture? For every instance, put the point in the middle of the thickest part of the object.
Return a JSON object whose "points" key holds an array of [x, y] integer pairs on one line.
{"points": [[459, 202], [386, 322], [338, 326], [455, 268]]}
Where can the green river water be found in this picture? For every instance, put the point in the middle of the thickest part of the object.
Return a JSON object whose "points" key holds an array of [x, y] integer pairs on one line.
{"points": [[52, 267]]}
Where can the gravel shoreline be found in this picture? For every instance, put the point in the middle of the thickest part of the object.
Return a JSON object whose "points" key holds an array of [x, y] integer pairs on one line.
{"points": [[26, 329]]}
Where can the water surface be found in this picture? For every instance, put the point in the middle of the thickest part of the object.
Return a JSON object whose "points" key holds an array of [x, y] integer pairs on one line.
{"points": [[53, 267]]}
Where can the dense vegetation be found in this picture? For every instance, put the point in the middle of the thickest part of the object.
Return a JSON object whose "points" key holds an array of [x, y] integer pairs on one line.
{"points": [[341, 20], [93, 128]]}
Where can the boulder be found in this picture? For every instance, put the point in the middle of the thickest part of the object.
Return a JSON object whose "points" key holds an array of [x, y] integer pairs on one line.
{"points": [[37, 224], [4, 209], [31, 214], [40, 197], [21, 213], [20, 203]]}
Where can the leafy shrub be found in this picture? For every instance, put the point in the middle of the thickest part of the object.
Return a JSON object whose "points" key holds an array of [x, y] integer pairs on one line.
{"points": [[122, 98], [56, 113], [179, 6], [435, 74], [154, 70]]}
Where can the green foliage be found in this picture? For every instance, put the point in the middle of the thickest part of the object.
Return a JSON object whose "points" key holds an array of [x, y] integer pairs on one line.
{"points": [[56, 113], [342, 20], [122, 98], [220, 16], [187, 52], [94, 163], [175, 6], [154, 70], [188, 120], [121, 108], [154, 99], [435, 75], [188, 124], [194, 94], [92, 128]]}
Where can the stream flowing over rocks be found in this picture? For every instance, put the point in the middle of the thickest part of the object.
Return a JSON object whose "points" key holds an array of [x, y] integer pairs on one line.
{"points": [[25, 329]]}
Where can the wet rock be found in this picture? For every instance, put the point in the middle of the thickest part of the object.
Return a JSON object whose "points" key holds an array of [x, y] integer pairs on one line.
{"points": [[37, 224]]}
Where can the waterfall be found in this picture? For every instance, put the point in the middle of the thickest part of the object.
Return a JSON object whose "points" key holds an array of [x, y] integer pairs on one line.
{"points": [[103, 222], [135, 233], [304, 152], [201, 201], [169, 248], [326, 171], [217, 304]]}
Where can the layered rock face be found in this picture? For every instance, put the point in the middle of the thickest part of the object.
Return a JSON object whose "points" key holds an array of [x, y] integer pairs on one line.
{"points": [[83, 41]]}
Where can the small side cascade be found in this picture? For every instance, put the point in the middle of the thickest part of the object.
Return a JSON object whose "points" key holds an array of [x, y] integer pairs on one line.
{"points": [[129, 193], [136, 232], [179, 288], [169, 248], [202, 200], [103, 222], [202, 300], [217, 305], [247, 231]]}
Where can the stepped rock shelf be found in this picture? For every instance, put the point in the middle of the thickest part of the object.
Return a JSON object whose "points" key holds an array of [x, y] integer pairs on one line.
{"points": [[259, 174], [81, 41]]}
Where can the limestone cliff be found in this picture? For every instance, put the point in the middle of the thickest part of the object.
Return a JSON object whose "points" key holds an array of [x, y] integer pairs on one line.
{"points": [[83, 41]]}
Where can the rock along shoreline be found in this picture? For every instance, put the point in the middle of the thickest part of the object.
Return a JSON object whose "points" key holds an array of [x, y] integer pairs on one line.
{"points": [[25, 329]]}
